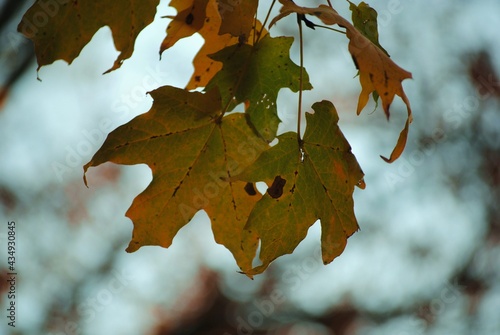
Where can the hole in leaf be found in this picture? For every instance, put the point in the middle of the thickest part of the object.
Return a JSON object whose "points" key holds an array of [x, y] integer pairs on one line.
{"points": [[261, 187], [256, 260]]}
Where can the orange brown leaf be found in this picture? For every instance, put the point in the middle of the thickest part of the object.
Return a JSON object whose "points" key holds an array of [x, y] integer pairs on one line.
{"points": [[237, 17], [377, 72]]}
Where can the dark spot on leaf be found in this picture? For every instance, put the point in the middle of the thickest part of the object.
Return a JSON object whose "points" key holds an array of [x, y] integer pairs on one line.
{"points": [[276, 189], [197, 78], [189, 18], [250, 189], [175, 190]]}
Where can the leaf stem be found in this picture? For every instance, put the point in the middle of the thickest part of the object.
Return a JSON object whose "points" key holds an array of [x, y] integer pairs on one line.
{"points": [[254, 38], [299, 107], [330, 28], [265, 21]]}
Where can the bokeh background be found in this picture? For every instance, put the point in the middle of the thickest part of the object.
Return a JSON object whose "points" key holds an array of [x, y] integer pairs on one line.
{"points": [[427, 257]]}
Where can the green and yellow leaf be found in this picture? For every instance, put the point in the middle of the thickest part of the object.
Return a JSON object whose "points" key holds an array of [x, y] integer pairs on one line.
{"points": [[193, 152], [254, 75], [308, 181]]}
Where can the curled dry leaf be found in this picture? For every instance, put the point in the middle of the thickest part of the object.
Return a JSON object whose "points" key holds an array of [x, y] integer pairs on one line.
{"points": [[364, 18], [377, 72]]}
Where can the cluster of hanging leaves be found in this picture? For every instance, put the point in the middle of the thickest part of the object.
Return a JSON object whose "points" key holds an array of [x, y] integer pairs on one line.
{"points": [[205, 153]]}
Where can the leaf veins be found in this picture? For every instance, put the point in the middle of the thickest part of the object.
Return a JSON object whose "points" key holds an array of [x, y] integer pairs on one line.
{"points": [[319, 186], [192, 157]]}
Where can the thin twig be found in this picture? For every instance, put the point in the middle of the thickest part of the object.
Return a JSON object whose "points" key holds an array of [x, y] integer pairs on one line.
{"points": [[265, 21], [254, 29], [329, 28], [299, 109]]}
